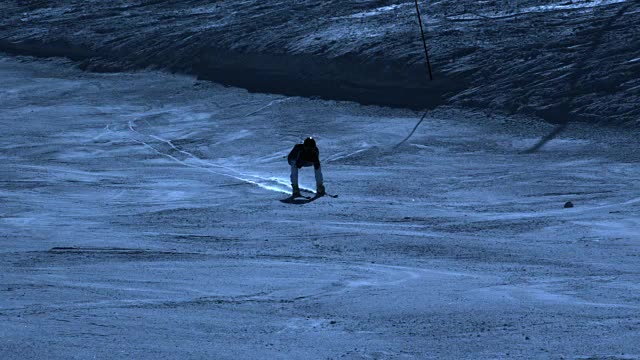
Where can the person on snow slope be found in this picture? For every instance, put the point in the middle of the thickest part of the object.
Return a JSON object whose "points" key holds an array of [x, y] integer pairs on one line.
{"points": [[303, 155]]}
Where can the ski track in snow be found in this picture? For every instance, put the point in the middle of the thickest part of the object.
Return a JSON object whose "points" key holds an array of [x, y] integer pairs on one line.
{"points": [[257, 180], [276, 101], [260, 181]]}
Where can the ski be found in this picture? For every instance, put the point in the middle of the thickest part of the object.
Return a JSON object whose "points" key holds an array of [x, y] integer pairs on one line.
{"points": [[293, 198], [303, 199], [316, 195]]}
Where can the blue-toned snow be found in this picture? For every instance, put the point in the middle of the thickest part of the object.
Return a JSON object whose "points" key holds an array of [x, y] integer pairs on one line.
{"points": [[140, 218]]}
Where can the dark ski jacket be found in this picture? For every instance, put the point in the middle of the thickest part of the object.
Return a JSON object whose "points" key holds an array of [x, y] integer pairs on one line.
{"points": [[300, 156]]}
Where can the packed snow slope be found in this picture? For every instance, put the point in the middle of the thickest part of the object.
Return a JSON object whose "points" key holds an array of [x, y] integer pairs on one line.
{"points": [[559, 60], [139, 218]]}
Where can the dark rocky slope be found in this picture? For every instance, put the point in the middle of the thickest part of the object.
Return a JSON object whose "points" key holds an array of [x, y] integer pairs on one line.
{"points": [[563, 61]]}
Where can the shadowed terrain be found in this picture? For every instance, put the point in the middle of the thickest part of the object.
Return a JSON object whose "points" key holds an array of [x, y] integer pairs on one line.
{"points": [[559, 60]]}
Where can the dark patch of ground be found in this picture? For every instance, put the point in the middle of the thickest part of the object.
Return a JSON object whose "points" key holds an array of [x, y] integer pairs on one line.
{"points": [[561, 61]]}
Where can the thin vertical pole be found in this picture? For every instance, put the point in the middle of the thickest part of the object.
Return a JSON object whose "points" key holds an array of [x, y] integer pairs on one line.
{"points": [[424, 42]]}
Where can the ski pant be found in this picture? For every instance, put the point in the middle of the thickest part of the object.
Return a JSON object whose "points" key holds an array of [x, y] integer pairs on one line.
{"points": [[294, 175]]}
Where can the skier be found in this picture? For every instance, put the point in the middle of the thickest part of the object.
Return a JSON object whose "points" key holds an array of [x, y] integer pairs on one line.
{"points": [[305, 154]]}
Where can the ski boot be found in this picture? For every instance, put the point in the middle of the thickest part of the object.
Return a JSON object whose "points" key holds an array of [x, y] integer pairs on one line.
{"points": [[296, 191]]}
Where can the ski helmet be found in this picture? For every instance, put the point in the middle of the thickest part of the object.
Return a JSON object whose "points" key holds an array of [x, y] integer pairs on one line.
{"points": [[309, 142]]}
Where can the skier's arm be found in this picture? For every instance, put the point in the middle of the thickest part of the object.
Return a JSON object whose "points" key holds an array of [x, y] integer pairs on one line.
{"points": [[294, 154]]}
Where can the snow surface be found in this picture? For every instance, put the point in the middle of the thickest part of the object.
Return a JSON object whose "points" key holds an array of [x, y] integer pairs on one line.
{"points": [[559, 6], [140, 219], [373, 12]]}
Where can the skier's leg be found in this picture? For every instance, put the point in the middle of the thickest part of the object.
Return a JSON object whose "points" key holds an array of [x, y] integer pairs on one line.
{"points": [[294, 179], [319, 182]]}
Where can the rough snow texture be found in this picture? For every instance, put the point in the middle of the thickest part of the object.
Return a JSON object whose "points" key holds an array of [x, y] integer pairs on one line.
{"points": [[561, 60], [139, 218]]}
